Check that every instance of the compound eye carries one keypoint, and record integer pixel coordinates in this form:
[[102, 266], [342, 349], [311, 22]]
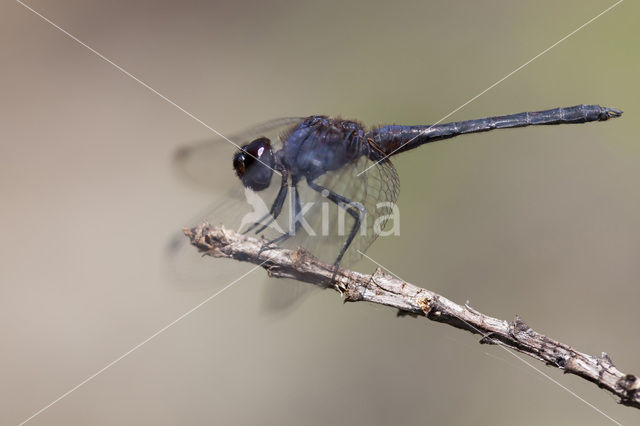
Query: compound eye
[[253, 164]]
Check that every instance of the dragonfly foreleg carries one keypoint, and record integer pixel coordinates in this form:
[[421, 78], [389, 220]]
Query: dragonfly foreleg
[[296, 213], [276, 207]]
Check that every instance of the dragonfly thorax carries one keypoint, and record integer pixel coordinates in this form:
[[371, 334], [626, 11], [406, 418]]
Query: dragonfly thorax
[[321, 144]]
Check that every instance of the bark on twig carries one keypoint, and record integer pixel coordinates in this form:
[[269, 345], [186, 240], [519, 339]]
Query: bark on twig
[[386, 290]]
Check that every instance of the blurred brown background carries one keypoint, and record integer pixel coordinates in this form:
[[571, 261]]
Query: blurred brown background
[[542, 222]]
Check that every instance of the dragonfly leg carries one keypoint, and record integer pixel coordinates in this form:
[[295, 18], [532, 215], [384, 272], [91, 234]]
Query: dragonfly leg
[[355, 210], [276, 207], [296, 212]]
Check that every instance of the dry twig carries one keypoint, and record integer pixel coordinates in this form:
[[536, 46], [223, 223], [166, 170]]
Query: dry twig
[[386, 290]]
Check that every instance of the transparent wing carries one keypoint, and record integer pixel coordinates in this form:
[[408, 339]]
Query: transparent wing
[[383, 188], [324, 233], [236, 209], [281, 295], [376, 188], [207, 165], [325, 225]]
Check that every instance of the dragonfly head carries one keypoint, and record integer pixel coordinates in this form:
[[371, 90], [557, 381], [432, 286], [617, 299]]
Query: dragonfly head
[[254, 163]]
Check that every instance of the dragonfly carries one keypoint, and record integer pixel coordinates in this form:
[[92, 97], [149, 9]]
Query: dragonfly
[[328, 184]]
